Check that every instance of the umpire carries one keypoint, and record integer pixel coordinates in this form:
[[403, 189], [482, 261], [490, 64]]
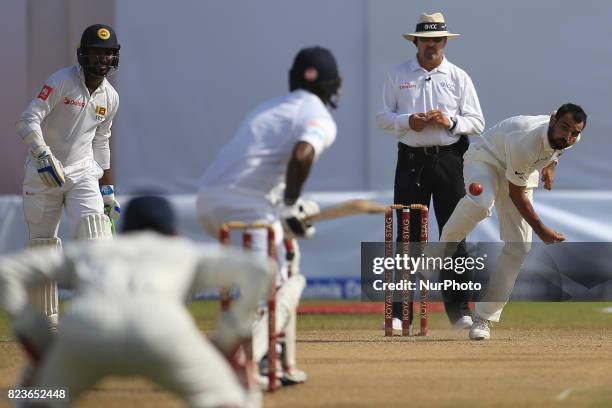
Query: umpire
[[430, 105]]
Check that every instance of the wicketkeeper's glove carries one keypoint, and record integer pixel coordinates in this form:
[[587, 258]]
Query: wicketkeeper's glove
[[49, 168]]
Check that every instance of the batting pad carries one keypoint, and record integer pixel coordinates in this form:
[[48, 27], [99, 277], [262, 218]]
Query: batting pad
[[44, 299], [95, 227]]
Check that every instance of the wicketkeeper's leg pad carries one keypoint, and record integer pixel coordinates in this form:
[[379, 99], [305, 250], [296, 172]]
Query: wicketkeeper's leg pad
[[44, 298]]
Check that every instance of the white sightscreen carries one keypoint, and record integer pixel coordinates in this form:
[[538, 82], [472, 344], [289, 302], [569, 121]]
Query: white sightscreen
[[190, 70]]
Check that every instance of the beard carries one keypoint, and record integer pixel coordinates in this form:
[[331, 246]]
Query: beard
[[557, 144]]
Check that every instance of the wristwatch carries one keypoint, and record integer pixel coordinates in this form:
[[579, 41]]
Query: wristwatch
[[453, 124]]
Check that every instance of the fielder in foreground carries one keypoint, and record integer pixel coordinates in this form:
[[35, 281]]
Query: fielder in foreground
[[128, 316], [507, 161], [259, 175], [67, 129]]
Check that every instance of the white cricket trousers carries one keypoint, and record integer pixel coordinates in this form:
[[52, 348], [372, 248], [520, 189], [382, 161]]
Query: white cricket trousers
[[514, 230]]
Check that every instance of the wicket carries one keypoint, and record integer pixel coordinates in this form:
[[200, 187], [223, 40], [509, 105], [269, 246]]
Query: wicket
[[247, 242], [423, 234]]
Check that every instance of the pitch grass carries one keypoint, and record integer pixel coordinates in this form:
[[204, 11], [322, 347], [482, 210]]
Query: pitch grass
[[517, 315]]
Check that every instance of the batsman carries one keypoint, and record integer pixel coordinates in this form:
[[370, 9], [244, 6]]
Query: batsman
[[67, 129], [508, 161], [259, 175]]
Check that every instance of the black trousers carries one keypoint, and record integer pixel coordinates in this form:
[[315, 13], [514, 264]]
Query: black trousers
[[418, 177]]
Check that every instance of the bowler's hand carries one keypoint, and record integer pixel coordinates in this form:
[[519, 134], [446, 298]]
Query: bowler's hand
[[439, 118], [418, 121], [548, 175]]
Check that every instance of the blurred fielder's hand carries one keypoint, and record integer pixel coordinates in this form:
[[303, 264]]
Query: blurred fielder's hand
[[49, 168], [294, 218], [418, 121], [548, 175], [437, 117], [111, 205], [32, 332]]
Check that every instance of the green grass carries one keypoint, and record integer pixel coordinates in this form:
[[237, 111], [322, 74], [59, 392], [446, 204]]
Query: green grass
[[556, 315], [517, 315]]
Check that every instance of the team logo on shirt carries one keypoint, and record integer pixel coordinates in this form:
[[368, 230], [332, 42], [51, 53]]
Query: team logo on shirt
[[100, 112], [74, 102], [45, 92], [408, 85]]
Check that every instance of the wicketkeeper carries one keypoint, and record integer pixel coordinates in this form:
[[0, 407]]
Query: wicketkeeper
[[67, 129], [128, 316]]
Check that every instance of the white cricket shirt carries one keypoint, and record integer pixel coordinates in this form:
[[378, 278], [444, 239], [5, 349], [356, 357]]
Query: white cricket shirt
[[132, 267], [519, 146], [409, 89], [75, 125], [257, 156]]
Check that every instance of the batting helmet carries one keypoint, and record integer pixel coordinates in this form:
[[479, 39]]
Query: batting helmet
[[152, 213], [314, 69], [98, 36]]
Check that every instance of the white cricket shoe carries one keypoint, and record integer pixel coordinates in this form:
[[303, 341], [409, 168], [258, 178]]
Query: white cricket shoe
[[292, 376], [397, 324], [262, 382], [481, 329], [464, 322]]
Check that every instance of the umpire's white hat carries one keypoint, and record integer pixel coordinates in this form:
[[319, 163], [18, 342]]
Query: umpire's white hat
[[430, 25]]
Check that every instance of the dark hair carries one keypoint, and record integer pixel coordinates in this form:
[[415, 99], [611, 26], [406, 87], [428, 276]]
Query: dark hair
[[578, 114]]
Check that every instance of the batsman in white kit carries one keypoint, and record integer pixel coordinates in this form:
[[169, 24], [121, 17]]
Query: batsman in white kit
[[508, 160], [128, 316], [258, 178], [67, 129]]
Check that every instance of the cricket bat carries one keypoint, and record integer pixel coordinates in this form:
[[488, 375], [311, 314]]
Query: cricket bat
[[348, 208]]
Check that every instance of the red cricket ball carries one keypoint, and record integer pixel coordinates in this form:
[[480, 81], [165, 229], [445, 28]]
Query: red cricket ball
[[475, 189]]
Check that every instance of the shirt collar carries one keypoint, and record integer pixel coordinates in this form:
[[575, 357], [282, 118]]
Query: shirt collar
[[443, 68]]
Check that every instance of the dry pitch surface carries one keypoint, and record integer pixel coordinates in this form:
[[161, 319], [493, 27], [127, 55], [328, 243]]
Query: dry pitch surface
[[542, 355]]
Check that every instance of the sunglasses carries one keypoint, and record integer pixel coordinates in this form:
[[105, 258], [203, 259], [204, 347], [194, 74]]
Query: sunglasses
[[434, 39]]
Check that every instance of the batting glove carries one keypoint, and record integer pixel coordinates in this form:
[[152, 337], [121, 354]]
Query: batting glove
[[295, 218], [111, 205]]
